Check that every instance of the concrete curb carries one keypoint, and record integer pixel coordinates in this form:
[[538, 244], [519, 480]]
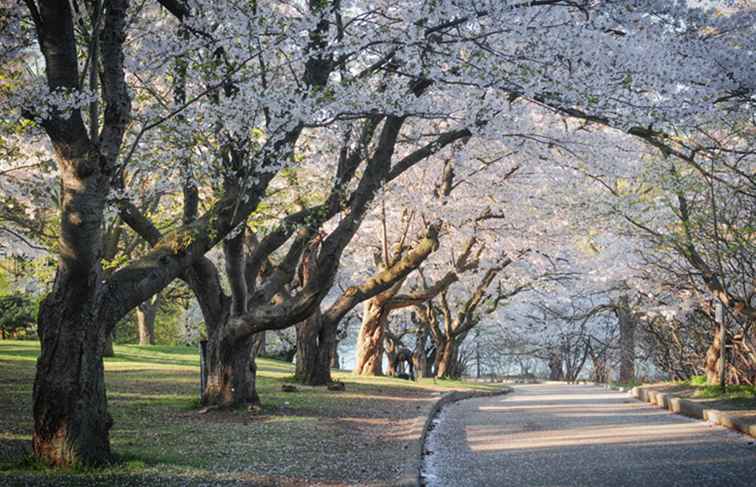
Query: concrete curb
[[693, 409], [445, 400]]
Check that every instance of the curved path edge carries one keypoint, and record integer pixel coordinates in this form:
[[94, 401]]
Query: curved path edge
[[445, 400]]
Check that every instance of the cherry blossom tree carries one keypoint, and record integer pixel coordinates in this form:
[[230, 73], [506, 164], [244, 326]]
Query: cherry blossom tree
[[245, 89]]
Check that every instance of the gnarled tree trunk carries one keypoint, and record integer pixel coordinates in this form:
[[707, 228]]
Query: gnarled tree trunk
[[230, 364], [71, 420], [370, 339], [230, 360], [231, 373], [712, 360], [392, 355], [315, 343], [446, 359], [419, 358]]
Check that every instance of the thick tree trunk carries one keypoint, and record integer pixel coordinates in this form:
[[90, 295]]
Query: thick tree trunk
[[370, 339], [107, 349], [556, 369], [145, 315], [315, 343], [600, 373], [627, 342], [419, 359], [392, 354], [230, 373], [712, 361], [446, 358], [71, 420]]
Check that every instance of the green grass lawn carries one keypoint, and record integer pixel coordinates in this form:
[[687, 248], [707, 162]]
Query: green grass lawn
[[731, 392], [160, 436], [736, 398]]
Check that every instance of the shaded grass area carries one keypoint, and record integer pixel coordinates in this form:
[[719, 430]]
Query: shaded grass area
[[366, 434]]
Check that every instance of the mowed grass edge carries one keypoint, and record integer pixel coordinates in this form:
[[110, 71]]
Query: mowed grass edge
[[153, 395]]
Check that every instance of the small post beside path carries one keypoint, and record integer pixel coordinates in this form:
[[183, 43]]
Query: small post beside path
[[203, 366], [719, 315]]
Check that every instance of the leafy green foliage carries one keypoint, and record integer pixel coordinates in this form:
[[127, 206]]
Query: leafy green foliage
[[18, 313]]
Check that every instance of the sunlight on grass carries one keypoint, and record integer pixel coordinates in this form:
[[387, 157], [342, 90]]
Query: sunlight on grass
[[732, 392], [153, 395]]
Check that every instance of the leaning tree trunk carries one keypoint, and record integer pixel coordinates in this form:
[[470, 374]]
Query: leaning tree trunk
[[145, 315], [370, 339], [627, 343]]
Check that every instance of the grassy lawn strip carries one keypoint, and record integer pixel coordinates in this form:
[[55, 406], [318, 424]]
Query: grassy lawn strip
[[739, 400], [366, 434]]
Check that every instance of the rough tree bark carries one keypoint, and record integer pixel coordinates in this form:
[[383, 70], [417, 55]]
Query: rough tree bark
[[419, 356], [107, 348], [446, 358], [318, 332], [315, 344], [627, 325], [71, 420], [370, 339], [556, 368], [711, 365], [391, 349], [335, 359], [448, 339], [145, 317], [600, 372]]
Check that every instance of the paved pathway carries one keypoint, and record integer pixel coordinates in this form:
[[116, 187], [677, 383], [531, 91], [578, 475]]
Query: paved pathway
[[550, 435]]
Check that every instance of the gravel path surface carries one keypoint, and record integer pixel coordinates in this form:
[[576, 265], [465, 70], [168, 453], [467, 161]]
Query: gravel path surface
[[550, 435]]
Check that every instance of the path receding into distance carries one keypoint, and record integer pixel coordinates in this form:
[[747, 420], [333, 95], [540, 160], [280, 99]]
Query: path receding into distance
[[550, 435]]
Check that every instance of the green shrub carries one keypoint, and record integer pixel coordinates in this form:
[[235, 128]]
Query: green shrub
[[18, 314]]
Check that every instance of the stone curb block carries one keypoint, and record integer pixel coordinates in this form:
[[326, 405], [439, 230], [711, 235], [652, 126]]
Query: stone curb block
[[693, 410], [445, 400]]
